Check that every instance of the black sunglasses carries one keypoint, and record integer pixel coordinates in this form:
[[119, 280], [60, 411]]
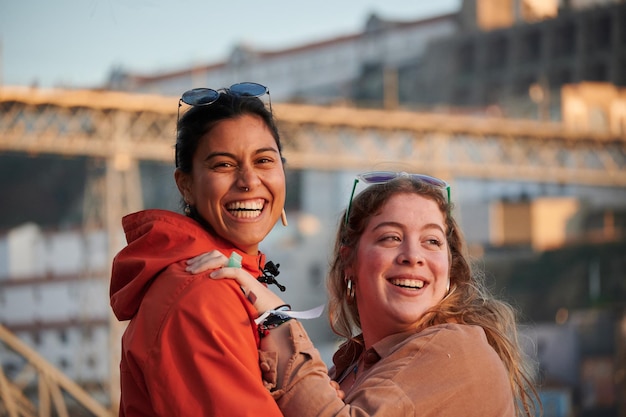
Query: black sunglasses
[[207, 96], [381, 177]]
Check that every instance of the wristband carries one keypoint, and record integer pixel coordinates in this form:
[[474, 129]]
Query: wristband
[[271, 319]]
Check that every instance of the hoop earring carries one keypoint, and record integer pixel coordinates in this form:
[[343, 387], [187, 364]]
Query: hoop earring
[[449, 293], [187, 210], [283, 218], [350, 291]]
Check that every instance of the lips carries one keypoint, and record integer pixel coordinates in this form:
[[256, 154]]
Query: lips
[[407, 283], [247, 209]]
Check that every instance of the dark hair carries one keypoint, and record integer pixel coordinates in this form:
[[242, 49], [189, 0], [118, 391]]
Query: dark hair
[[199, 120]]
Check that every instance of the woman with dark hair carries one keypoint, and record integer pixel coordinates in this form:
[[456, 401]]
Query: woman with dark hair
[[423, 337], [190, 348]]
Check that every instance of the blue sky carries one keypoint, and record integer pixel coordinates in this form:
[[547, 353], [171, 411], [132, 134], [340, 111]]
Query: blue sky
[[76, 43]]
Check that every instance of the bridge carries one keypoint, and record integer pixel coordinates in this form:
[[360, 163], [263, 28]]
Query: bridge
[[123, 129]]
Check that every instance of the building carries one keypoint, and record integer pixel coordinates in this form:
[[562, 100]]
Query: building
[[320, 72], [522, 66], [53, 296], [509, 57]]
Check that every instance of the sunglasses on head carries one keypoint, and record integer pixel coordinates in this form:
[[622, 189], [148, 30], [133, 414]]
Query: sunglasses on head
[[207, 96], [381, 177]]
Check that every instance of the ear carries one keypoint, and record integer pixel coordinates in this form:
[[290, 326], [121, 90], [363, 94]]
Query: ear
[[345, 252], [184, 182]]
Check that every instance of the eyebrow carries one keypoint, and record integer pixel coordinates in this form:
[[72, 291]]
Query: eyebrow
[[230, 155], [402, 226]]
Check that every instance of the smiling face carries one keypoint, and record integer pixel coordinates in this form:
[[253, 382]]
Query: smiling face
[[401, 266], [237, 181]]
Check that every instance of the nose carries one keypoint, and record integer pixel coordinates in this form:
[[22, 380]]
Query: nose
[[247, 178], [410, 255]]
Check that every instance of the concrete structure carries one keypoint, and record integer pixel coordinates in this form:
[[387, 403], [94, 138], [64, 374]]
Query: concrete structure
[[53, 295], [521, 67], [492, 56], [320, 72]]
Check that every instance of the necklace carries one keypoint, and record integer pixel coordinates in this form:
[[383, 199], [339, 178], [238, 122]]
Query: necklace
[[350, 370]]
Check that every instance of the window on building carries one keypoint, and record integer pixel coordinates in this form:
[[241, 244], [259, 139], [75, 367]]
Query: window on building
[[497, 50], [523, 83], [564, 41], [293, 200], [91, 362], [602, 33], [36, 335], [64, 364], [316, 276], [36, 293], [462, 96], [531, 46], [560, 76], [596, 71], [466, 58], [493, 92], [87, 333]]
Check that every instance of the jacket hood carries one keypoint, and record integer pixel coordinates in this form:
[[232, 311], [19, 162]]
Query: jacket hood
[[157, 239]]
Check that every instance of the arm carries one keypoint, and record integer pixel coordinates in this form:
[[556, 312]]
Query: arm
[[278, 346], [297, 376], [444, 371], [258, 294]]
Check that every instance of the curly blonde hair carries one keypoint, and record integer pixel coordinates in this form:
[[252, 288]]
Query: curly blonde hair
[[468, 301]]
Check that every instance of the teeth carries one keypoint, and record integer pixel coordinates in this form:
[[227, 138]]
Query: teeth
[[245, 205], [246, 209], [408, 283]]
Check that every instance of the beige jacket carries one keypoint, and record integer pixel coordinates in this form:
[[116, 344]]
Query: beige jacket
[[446, 370]]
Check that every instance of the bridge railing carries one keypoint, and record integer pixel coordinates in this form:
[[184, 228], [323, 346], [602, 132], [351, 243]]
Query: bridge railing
[[54, 390]]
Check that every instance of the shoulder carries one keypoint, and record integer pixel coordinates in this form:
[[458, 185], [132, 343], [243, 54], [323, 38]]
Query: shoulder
[[179, 299], [446, 367], [453, 335], [181, 292], [444, 353], [440, 337], [457, 342]]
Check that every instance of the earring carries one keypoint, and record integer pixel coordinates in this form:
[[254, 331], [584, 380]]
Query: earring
[[187, 210], [283, 218], [350, 291], [448, 286]]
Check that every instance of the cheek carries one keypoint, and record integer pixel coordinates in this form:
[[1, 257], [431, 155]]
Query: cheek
[[207, 189], [441, 267], [277, 185], [371, 264]]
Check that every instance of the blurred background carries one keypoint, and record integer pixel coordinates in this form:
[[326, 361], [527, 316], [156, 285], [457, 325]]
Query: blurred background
[[519, 104]]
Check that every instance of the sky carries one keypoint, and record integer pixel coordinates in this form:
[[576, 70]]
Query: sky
[[76, 43]]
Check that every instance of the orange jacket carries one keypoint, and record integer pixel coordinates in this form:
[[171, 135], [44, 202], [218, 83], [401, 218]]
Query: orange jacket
[[190, 348]]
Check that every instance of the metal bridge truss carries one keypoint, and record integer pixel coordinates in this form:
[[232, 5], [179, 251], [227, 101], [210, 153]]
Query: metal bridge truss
[[125, 128], [53, 387]]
